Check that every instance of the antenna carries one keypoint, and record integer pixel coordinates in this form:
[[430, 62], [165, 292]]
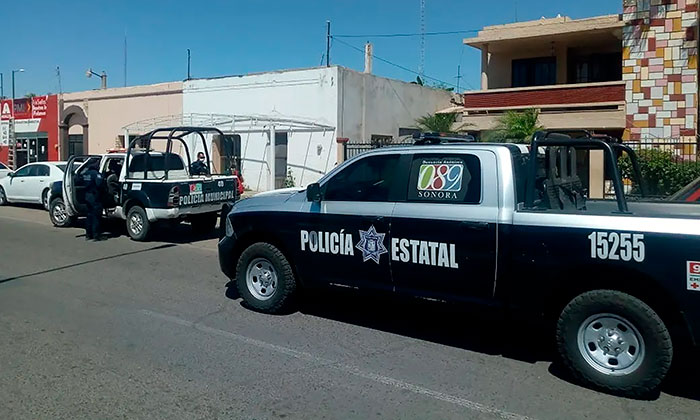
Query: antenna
[[124, 57], [516, 9], [58, 75], [188, 64], [421, 64], [459, 76]]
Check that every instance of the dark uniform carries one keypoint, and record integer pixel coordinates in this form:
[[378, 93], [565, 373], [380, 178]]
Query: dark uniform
[[94, 187], [199, 168]]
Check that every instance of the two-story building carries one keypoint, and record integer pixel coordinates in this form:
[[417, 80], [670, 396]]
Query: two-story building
[[632, 75]]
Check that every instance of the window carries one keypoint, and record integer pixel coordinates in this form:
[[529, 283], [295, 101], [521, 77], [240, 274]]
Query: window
[[61, 167], [23, 171], [439, 178], [534, 72], [595, 68], [369, 179], [2, 166], [40, 170]]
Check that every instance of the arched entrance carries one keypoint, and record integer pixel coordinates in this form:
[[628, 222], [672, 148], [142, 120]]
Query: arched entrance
[[70, 117]]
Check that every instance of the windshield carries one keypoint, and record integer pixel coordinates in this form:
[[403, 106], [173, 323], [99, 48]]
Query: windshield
[[2, 166], [62, 167]]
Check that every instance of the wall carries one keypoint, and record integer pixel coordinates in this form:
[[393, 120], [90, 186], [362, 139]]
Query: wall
[[660, 53], [308, 95], [109, 110], [375, 105]]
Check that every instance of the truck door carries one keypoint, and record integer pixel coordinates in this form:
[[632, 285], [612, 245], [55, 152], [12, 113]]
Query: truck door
[[444, 235], [344, 239], [73, 189]]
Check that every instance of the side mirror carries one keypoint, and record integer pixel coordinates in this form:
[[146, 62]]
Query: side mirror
[[313, 192], [10, 174]]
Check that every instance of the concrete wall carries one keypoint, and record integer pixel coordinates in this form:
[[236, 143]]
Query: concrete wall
[[109, 110], [375, 105], [308, 95]]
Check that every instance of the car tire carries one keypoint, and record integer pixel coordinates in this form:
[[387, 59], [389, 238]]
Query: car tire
[[137, 225], [45, 199], [203, 223], [614, 342], [3, 197], [58, 213], [265, 279]]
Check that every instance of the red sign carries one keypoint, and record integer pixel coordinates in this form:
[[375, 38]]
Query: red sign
[[25, 108]]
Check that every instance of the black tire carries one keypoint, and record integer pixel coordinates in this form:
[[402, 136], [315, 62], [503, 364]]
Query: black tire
[[203, 223], [59, 214], [578, 347], [3, 197], [137, 225], [45, 199], [282, 298]]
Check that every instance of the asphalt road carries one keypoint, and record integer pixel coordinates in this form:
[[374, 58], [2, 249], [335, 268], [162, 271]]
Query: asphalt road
[[119, 329]]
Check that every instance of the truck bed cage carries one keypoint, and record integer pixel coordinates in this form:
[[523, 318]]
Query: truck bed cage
[[421, 139], [170, 134], [583, 140]]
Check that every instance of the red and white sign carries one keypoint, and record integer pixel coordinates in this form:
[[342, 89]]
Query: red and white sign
[[693, 276], [25, 108]]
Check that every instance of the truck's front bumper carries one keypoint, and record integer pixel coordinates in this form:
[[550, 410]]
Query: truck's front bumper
[[227, 260]]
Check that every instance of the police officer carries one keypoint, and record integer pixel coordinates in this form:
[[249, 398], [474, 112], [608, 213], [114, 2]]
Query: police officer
[[94, 186], [199, 167]]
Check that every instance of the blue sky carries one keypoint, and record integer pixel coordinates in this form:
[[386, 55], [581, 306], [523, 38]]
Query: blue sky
[[237, 37]]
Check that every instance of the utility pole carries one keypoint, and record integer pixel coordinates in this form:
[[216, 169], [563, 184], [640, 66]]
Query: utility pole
[[2, 87], [421, 64], [459, 75], [188, 64], [13, 140], [328, 43], [125, 58]]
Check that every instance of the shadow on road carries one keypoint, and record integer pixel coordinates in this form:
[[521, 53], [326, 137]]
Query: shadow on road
[[180, 233], [51, 270], [480, 329]]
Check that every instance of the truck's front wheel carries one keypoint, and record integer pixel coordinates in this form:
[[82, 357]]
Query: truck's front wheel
[[265, 279], [613, 341], [137, 224]]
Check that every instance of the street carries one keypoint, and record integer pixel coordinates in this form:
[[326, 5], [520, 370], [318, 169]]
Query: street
[[122, 329]]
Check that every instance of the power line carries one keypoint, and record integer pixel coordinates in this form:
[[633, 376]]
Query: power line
[[399, 35], [394, 64]]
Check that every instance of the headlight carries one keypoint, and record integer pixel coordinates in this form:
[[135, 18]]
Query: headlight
[[229, 227]]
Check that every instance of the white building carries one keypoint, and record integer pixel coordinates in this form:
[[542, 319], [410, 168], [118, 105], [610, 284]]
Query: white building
[[306, 111]]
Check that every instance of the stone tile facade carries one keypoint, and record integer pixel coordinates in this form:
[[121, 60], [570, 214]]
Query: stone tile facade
[[660, 69]]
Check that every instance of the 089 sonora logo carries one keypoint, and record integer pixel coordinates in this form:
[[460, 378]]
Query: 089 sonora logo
[[440, 177]]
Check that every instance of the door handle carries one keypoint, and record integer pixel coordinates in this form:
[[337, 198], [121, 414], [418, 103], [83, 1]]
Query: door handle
[[475, 225]]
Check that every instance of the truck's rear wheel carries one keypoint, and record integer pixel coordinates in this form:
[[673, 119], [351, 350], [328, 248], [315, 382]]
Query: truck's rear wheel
[[613, 341], [203, 223], [265, 279], [137, 225], [3, 197], [59, 214]]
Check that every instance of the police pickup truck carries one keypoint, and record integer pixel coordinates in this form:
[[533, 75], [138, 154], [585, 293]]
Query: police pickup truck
[[496, 224], [144, 186]]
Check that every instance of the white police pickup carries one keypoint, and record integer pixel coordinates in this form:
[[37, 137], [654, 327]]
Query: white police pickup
[[478, 222]]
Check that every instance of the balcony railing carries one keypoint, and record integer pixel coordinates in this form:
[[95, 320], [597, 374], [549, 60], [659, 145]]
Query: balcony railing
[[553, 96]]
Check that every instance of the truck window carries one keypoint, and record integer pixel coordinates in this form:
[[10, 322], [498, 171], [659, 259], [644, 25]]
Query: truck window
[[445, 178], [369, 179]]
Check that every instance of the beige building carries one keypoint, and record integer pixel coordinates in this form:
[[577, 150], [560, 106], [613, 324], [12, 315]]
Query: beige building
[[570, 69], [93, 121]]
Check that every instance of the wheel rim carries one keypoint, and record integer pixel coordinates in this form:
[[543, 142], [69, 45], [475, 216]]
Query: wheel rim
[[261, 279], [611, 344], [59, 212], [136, 223]]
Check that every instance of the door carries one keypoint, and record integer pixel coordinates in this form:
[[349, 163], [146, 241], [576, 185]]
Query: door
[[16, 186], [281, 160], [344, 239], [444, 234], [73, 189], [37, 182]]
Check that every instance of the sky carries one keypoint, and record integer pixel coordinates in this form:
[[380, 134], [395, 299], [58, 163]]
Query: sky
[[239, 37]]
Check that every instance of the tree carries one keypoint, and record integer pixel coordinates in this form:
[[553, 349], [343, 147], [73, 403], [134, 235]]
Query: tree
[[437, 123], [30, 95], [517, 126]]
